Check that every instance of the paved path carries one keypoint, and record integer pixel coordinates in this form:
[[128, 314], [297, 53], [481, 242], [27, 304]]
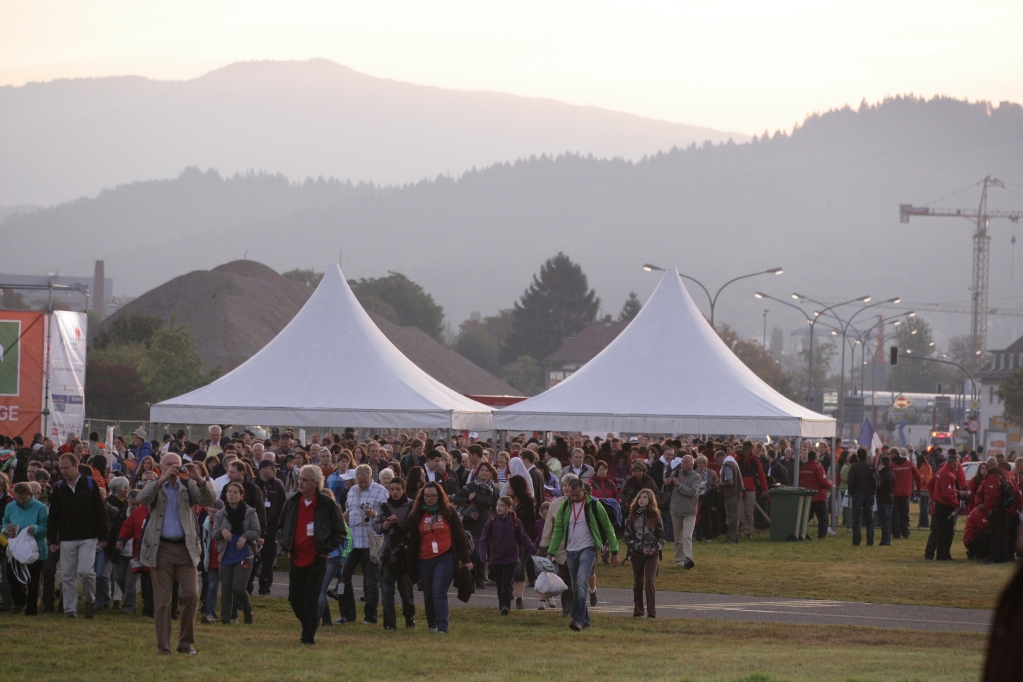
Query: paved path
[[745, 609]]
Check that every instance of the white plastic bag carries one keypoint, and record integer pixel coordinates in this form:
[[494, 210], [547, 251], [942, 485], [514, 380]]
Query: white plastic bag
[[549, 583], [23, 548]]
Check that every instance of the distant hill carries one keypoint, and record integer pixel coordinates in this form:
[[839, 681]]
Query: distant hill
[[237, 308], [822, 202], [70, 138]]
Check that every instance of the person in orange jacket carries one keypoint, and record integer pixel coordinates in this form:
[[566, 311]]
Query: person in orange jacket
[[906, 476], [999, 502], [945, 493], [976, 537], [813, 476]]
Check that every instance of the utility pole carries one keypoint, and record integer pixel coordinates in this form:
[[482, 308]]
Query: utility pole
[[765, 326]]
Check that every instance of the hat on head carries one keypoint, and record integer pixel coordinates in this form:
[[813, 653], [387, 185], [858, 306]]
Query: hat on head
[[473, 434], [348, 475], [638, 465], [266, 464], [139, 433]]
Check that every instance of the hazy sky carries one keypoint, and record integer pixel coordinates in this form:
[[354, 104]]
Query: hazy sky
[[743, 66]]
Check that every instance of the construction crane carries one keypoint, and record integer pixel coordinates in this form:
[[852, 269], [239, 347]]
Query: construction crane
[[981, 216]]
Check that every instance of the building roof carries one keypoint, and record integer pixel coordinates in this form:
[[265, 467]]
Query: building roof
[[445, 365], [588, 343]]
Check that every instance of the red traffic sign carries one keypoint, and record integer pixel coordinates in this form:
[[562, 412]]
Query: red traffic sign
[[902, 402], [973, 425]]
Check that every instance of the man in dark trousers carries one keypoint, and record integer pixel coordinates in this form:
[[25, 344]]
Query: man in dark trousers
[[272, 491], [999, 498], [946, 501], [78, 527], [812, 476], [311, 528], [885, 498], [862, 488], [906, 476], [393, 564]]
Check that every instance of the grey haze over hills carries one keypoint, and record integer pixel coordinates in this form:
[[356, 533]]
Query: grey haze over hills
[[821, 202], [66, 139]]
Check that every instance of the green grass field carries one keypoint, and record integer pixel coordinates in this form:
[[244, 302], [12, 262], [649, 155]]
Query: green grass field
[[484, 646], [830, 569]]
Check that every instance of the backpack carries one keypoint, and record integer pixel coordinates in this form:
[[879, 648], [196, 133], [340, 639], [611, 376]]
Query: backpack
[[1008, 500]]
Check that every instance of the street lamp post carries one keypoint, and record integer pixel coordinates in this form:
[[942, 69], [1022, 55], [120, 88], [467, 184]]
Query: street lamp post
[[844, 324], [808, 400], [714, 299]]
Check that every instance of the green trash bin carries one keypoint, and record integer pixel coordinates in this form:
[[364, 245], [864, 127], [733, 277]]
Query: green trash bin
[[790, 513]]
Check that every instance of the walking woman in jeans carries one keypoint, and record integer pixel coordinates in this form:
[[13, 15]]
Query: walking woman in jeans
[[644, 535], [236, 530], [436, 550]]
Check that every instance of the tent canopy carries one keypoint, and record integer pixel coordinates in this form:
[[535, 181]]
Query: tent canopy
[[331, 366], [668, 372]]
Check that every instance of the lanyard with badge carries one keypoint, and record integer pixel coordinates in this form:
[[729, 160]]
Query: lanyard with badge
[[576, 513], [429, 525], [309, 532]]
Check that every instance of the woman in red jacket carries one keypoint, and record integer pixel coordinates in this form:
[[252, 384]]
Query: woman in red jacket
[[603, 486]]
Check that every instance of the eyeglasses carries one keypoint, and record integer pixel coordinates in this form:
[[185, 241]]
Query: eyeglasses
[[306, 480]]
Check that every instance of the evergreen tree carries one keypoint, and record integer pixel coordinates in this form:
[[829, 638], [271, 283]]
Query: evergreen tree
[[631, 308], [475, 343], [557, 304]]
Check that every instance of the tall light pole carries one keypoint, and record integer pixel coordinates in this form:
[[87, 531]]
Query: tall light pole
[[864, 336], [808, 399], [714, 299], [844, 324]]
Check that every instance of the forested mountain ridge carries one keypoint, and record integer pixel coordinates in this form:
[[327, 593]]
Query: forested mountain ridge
[[820, 201]]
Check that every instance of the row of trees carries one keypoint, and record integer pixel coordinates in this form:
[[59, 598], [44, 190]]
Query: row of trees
[[139, 360]]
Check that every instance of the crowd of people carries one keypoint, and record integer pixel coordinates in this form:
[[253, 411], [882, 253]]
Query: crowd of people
[[174, 523]]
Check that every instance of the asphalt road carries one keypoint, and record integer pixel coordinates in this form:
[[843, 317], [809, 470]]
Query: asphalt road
[[740, 608]]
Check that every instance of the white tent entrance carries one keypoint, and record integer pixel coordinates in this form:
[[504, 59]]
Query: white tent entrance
[[331, 366], [668, 372]]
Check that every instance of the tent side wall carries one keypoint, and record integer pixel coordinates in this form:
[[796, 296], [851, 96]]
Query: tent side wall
[[375, 418], [784, 426]]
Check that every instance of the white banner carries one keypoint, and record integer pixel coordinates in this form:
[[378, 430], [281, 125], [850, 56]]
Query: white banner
[[67, 373]]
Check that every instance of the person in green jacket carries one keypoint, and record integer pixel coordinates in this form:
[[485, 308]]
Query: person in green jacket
[[26, 512], [582, 525]]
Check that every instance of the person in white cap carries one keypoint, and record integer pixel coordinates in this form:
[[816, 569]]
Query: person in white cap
[[473, 437]]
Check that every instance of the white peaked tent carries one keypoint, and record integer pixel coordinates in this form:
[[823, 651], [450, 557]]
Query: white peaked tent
[[668, 372], [331, 366]]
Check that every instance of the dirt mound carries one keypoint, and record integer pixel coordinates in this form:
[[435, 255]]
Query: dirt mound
[[233, 310]]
